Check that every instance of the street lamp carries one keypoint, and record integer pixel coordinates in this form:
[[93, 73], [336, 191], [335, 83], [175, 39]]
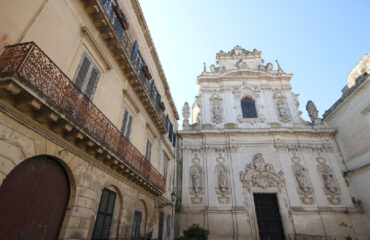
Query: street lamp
[[164, 204]]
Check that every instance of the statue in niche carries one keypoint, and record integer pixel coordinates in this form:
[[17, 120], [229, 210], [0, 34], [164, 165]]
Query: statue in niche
[[329, 181], [222, 188], [313, 113], [283, 110], [185, 115], [222, 181], [302, 179], [216, 110], [196, 181]]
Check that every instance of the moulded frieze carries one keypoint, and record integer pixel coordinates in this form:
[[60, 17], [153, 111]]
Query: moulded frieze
[[291, 147]]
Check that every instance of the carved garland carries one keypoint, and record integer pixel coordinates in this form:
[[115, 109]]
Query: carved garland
[[330, 183], [304, 187]]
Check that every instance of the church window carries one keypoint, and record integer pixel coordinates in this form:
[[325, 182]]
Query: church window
[[248, 108]]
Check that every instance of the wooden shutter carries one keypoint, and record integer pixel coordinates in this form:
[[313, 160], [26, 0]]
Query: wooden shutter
[[170, 131], [134, 51], [168, 227], [135, 231], [92, 82], [165, 165], [82, 72], [128, 131], [104, 215], [160, 227], [124, 122], [174, 140], [148, 150]]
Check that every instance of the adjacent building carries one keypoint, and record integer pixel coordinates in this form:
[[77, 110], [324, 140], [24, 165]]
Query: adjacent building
[[251, 168], [350, 116], [87, 123]]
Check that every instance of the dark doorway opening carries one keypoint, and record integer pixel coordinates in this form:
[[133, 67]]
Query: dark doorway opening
[[269, 222]]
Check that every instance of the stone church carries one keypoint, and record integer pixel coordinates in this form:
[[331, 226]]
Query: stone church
[[251, 168]]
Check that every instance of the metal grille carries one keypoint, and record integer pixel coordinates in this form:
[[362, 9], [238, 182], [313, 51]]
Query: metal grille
[[268, 216], [39, 72]]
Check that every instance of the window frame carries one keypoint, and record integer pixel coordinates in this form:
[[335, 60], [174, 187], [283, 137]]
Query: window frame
[[148, 149], [87, 78], [105, 214], [126, 126], [244, 108]]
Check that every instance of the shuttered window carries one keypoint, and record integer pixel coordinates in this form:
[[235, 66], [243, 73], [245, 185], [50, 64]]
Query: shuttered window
[[135, 231], [160, 226], [148, 151], [165, 166], [170, 131], [105, 215], [168, 227], [87, 76], [126, 123], [174, 139]]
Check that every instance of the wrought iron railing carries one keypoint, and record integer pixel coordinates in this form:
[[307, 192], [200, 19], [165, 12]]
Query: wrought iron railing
[[137, 62], [41, 74]]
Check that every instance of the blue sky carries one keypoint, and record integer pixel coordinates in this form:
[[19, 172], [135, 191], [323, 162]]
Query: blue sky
[[318, 41]]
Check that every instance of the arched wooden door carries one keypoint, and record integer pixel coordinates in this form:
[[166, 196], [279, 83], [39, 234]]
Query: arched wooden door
[[33, 199]]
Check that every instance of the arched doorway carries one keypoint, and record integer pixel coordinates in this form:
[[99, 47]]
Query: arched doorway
[[33, 200]]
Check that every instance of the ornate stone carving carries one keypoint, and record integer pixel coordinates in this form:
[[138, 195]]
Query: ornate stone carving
[[186, 116], [223, 189], [304, 188], [216, 109], [331, 187], [279, 69], [282, 107], [313, 113], [196, 184], [261, 175]]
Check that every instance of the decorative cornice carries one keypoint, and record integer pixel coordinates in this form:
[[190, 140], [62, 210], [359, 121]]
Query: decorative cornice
[[144, 28]]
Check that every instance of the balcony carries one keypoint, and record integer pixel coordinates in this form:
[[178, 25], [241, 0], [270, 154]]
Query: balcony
[[105, 17], [31, 82]]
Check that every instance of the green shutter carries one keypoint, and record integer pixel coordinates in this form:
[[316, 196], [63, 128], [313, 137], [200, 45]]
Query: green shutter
[[82, 72], [92, 83], [124, 122], [104, 215], [128, 131]]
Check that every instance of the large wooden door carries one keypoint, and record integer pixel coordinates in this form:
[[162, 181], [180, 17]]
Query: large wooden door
[[268, 216], [33, 199]]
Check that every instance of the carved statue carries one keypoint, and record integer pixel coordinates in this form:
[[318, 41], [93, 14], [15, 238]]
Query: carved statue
[[283, 111], [185, 115], [329, 181], [302, 179], [216, 110], [222, 181], [212, 68], [313, 112], [279, 69], [196, 181]]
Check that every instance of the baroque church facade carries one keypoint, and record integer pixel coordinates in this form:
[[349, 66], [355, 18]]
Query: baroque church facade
[[250, 167]]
